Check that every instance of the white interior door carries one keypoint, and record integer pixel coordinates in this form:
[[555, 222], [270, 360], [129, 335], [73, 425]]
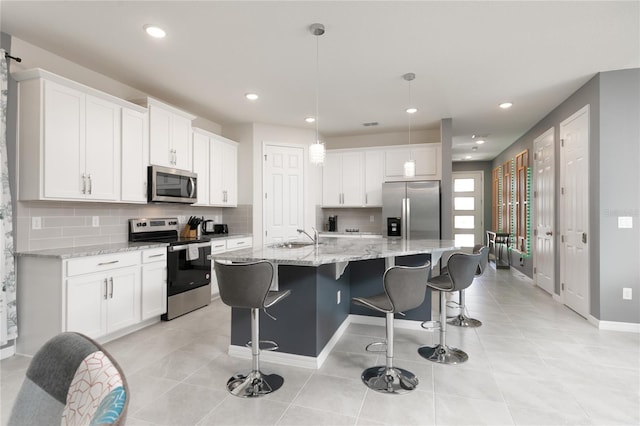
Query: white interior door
[[574, 211], [468, 226], [543, 210], [283, 192]]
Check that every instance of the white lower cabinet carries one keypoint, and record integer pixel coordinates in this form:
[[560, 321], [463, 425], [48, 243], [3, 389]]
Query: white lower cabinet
[[154, 282], [101, 303], [221, 246], [103, 296]]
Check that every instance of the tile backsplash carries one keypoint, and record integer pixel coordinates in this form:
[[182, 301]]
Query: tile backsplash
[[70, 224], [356, 218]]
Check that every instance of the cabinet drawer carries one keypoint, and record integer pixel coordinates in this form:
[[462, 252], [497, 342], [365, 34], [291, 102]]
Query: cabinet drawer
[[154, 255], [105, 262], [239, 243], [218, 246]]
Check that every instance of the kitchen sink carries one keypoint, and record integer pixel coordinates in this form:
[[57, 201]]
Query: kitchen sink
[[294, 244]]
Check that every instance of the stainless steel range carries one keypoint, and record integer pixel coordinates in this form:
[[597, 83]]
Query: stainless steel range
[[188, 264]]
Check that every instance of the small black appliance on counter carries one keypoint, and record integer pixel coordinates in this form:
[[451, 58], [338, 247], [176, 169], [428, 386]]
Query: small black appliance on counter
[[210, 227]]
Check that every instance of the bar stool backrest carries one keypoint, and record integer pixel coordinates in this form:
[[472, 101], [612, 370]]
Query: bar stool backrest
[[244, 285], [462, 269], [484, 258], [406, 286]]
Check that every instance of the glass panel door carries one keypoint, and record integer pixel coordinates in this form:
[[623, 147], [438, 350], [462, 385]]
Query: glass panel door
[[468, 228]]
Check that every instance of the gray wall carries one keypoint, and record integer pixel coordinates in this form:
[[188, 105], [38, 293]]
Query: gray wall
[[446, 189], [619, 249], [614, 182]]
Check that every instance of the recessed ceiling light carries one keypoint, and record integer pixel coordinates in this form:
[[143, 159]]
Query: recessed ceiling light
[[480, 141], [154, 31], [412, 110], [310, 119], [468, 157], [251, 96], [506, 105]]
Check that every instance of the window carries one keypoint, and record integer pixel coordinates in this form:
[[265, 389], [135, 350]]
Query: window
[[496, 207], [505, 225], [521, 201]]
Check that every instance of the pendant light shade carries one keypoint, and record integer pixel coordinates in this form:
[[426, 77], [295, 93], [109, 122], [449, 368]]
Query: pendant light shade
[[410, 164], [316, 150]]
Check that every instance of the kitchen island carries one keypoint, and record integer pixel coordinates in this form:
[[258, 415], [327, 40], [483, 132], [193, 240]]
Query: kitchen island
[[322, 280]]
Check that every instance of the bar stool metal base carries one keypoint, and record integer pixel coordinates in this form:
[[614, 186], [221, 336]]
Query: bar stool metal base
[[389, 380], [254, 384], [464, 321], [443, 354]]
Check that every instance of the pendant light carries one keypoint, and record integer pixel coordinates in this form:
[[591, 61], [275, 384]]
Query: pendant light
[[410, 164], [316, 150]]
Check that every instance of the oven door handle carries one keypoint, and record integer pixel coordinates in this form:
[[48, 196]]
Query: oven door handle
[[186, 246]]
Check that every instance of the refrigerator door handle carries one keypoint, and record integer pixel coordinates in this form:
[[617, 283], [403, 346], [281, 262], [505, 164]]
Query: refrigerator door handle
[[407, 218], [403, 217]]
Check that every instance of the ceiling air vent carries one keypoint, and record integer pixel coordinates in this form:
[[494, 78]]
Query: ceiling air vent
[[371, 123]]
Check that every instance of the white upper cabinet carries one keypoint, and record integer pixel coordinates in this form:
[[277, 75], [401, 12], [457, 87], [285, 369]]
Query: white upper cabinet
[[223, 171], [70, 140], [201, 166], [135, 156], [343, 179], [373, 178], [169, 136], [427, 157], [215, 160]]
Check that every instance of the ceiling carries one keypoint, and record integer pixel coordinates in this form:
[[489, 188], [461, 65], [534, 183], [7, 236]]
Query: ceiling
[[467, 56]]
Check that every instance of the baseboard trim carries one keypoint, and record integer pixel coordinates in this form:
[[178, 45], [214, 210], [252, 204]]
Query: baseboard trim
[[8, 352], [294, 360], [380, 321], [629, 327]]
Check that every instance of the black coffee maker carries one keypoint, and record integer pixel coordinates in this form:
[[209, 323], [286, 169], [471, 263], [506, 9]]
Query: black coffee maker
[[333, 223]]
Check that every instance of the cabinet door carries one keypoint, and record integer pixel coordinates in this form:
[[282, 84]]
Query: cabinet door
[[230, 174], [394, 162], [332, 180], [135, 156], [64, 142], [373, 178], [102, 152], [201, 167], [123, 298], [154, 289], [426, 161], [159, 137], [86, 304], [352, 179], [181, 142], [216, 186]]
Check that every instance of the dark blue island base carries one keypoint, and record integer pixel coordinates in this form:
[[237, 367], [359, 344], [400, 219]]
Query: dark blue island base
[[310, 321]]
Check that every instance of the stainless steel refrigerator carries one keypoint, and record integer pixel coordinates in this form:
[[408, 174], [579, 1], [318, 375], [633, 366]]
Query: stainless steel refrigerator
[[411, 209]]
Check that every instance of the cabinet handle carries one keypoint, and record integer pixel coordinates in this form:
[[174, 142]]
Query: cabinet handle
[[108, 263], [175, 157], [90, 183], [366, 198], [111, 282], [220, 246], [84, 183], [105, 289], [156, 255], [240, 243]]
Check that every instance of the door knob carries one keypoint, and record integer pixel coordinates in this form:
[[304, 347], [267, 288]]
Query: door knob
[[549, 233]]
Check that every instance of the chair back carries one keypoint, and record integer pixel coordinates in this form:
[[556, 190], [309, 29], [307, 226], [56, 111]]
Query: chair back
[[462, 269], [484, 258], [406, 286], [72, 380], [244, 285]]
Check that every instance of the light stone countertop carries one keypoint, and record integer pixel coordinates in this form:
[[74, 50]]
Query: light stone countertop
[[109, 248], [336, 250]]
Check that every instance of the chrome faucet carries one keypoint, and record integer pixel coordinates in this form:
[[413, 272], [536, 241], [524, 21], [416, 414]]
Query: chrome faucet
[[315, 238]]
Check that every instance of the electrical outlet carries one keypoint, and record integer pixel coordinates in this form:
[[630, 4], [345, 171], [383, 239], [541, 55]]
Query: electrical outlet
[[36, 223], [372, 219], [627, 293], [338, 297], [182, 219], [95, 221]]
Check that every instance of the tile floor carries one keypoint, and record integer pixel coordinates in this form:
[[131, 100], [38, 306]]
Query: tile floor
[[533, 362]]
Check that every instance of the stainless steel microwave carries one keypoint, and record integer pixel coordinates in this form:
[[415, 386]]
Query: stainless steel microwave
[[169, 185]]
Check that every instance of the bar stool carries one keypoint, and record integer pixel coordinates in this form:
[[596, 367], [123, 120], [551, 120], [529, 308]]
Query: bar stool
[[461, 320], [246, 285], [462, 268], [404, 289]]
